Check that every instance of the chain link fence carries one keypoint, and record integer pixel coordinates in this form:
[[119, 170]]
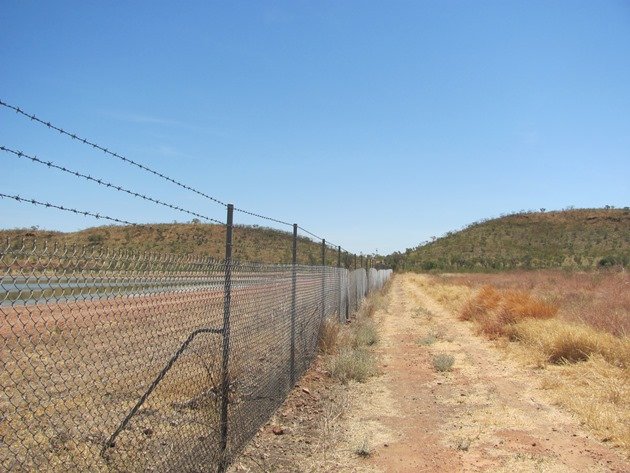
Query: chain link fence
[[117, 361]]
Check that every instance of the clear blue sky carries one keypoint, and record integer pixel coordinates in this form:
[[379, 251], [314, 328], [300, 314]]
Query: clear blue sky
[[374, 124]]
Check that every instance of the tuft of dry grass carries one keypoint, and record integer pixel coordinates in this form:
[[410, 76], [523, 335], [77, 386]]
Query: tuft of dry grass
[[365, 333], [427, 340], [352, 360], [353, 364], [329, 335], [443, 362], [563, 342], [364, 450], [374, 303]]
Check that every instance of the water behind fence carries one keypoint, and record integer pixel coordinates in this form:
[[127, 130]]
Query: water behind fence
[[138, 362]]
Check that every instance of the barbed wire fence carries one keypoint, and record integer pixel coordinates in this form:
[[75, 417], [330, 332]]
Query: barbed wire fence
[[128, 361]]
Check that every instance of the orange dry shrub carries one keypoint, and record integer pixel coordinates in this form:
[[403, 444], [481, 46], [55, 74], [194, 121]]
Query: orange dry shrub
[[498, 312], [519, 305], [486, 300], [600, 299]]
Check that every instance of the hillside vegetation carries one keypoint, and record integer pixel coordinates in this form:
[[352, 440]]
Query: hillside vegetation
[[258, 244], [578, 239]]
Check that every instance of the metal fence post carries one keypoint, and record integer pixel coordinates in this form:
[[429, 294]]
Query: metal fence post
[[347, 287], [356, 291], [323, 279], [225, 376], [293, 303], [339, 281], [367, 273]]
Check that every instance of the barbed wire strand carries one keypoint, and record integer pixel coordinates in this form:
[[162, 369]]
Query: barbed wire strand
[[309, 233], [263, 217], [74, 136], [134, 163], [329, 244], [66, 209], [104, 183], [108, 152]]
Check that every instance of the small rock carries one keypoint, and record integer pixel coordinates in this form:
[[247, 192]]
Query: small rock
[[148, 432], [277, 430], [306, 390]]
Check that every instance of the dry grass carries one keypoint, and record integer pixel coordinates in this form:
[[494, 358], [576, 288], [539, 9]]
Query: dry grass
[[597, 392], [365, 333], [449, 295], [574, 326], [329, 337], [355, 364], [599, 299], [428, 340], [497, 312], [562, 342], [364, 450], [443, 362], [486, 300], [374, 303], [352, 358]]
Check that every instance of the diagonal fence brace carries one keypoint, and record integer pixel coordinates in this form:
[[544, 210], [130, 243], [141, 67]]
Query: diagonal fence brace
[[111, 442]]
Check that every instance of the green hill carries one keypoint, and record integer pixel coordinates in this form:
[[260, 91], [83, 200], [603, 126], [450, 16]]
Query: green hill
[[581, 238], [250, 243]]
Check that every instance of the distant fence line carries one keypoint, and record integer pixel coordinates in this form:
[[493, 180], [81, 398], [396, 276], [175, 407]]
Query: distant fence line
[[138, 362]]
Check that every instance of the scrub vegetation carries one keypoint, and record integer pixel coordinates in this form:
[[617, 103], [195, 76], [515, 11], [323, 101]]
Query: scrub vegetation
[[570, 239], [251, 243]]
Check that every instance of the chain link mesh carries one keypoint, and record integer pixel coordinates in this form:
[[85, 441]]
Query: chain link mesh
[[114, 361]]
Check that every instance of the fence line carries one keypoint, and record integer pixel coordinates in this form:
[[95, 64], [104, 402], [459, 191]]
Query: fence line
[[33, 118], [122, 361], [117, 361]]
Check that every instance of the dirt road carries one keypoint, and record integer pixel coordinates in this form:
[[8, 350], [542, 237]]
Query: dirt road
[[486, 414]]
